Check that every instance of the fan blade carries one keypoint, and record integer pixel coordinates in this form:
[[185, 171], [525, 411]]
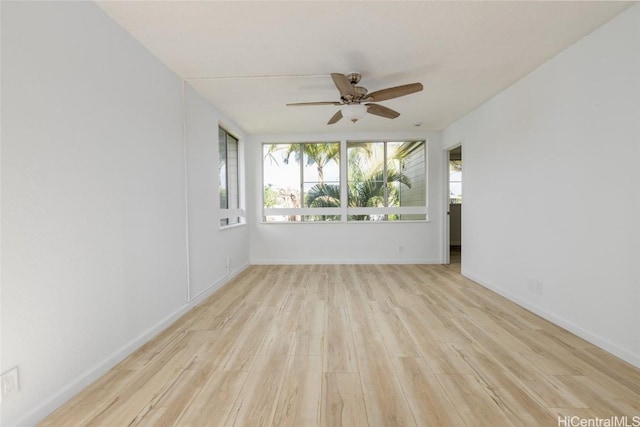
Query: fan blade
[[336, 117], [344, 85], [382, 111], [394, 92], [294, 104]]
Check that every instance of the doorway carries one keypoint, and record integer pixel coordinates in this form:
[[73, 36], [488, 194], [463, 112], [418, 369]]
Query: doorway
[[454, 208]]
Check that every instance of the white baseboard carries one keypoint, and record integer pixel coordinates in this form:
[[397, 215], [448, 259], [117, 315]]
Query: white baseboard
[[58, 399], [269, 261], [217, 284], [560, 321]]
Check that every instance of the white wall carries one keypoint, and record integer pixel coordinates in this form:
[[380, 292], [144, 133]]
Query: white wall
[[209, 246], [344, 243], [551, 191], [94, 197]]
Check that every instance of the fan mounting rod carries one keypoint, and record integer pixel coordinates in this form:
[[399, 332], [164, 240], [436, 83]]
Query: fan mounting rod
[[353, 77]]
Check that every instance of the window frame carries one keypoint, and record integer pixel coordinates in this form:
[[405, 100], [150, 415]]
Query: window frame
[[455, 200], [344, 210], [301, 211], [390, 210], [237, 213]]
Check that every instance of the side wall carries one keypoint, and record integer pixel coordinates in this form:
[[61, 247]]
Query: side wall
[[346, 243], [551, 188], [94, 201], [209, 246]]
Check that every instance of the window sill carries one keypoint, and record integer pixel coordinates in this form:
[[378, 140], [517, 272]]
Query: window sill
[[409, 221], [229, 227]]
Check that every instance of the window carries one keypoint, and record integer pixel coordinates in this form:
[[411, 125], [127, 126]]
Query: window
[[380, 181], [387, 181], [301, 182], [230, 212], [455, 182]]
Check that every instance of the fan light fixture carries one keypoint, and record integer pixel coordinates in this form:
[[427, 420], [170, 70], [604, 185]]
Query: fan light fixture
[[354, 112]]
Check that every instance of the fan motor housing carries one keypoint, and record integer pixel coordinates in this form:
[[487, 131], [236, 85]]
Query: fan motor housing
[[361, 91]]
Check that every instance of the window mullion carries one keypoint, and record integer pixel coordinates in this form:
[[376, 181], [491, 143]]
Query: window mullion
[[301, 201], [226, 162], [385, 179], [344, 184]]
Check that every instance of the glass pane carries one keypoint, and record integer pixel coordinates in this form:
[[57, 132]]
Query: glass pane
[[281, 174], [233, 192], [301, 175], [321, 173], [366, 174], [455, 181], [407, 163], [232, 172], [398, 182], [281, 218], [320, 218], [228, 174], [222, 167], [393, 192], [322, 195], [375, 217], [407, 217]]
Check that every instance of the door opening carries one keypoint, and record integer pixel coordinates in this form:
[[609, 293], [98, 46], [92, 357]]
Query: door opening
[[455, 205]]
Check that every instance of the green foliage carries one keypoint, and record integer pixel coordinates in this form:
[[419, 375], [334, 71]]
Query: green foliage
[[270, 196], [367, 187], [319, 154], [369, 184], [324, 196]]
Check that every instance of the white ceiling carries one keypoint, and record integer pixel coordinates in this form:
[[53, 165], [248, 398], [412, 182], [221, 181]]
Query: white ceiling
[[251, 58]]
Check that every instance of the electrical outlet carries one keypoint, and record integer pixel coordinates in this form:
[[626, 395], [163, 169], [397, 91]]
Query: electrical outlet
[[400, 249], [10, 382], [535, 287], [531, 285], [227, 263]]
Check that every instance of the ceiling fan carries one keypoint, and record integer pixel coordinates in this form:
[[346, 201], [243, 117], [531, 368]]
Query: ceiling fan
[[356, 100]]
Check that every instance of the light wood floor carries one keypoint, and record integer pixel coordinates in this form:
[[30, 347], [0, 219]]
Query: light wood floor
[[377, 345]]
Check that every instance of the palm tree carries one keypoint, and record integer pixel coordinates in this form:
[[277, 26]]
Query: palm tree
[[370, 185], [319, 154], [324, 196], [367, 188]]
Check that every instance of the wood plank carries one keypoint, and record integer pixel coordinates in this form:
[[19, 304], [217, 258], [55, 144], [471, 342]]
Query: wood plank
[[433, 348], [428, 401], [300, 396], [256, 403], [125, 407], [598, 398], [396, 337], [87, 404], [249, 340], [310, 332], [342, 401], [317, 283], [166, 406], [224, 336], [212, 405], [473, 400], [543, 387], [339, 350]]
